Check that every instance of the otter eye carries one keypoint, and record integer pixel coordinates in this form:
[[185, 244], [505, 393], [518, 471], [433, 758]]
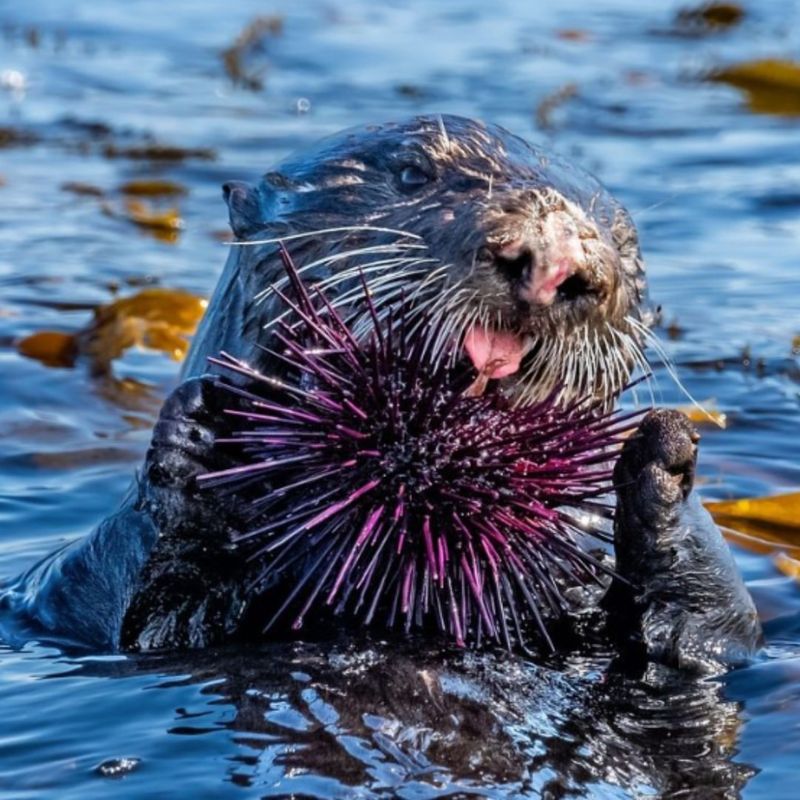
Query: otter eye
[[412, 176]]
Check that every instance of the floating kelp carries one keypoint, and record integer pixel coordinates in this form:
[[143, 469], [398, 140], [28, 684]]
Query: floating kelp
[[709, 17], [82, 189], [249, 43], [158, 152], [771, 86], [779, 510], [148, 217], [164, 224], [573, 35], [706, 413], [52, 348], [549, 104], [153, 187], [158, 319], [787, 565], [154, 318], [16, 137], [765, 525]]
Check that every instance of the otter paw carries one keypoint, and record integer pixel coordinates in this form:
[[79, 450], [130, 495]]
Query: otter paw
[[678, 597], [657, 464], [182, 446]]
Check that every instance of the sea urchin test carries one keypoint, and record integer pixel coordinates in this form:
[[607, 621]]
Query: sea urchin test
[[406, 497]]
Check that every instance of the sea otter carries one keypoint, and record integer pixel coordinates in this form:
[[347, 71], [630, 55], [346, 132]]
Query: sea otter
[[523, 259]]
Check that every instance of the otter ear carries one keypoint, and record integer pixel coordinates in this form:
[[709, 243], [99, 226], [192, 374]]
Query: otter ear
[[244, 207]]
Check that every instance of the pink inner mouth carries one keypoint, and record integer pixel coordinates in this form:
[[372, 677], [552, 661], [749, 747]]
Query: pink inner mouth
[[495, 354]]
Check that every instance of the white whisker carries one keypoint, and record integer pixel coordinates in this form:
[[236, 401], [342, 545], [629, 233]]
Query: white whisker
[[652, 340], [323, 231]]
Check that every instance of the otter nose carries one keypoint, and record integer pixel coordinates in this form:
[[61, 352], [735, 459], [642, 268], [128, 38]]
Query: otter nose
[[544, 275], [516, 260]]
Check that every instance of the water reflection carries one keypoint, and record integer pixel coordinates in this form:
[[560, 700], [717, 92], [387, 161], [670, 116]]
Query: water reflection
[[399, 719]]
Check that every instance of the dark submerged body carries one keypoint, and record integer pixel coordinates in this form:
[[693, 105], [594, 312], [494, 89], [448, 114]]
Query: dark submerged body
[[162, 571]]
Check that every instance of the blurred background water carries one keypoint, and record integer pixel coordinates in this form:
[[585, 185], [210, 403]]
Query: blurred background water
[[691, 119]]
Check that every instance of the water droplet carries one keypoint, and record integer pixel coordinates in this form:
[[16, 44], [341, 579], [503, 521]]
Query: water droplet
[[14, 81], [117, 767]]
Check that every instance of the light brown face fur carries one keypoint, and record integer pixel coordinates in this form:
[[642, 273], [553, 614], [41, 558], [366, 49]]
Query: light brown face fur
[[532, 265]]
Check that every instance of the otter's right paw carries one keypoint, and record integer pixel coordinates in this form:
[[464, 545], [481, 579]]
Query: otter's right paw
[[190, 592], [182, 446]]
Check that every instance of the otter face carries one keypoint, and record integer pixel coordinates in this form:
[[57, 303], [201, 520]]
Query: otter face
[[534, 267]]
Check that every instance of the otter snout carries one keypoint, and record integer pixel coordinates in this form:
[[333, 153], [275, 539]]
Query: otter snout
[[549, 263]]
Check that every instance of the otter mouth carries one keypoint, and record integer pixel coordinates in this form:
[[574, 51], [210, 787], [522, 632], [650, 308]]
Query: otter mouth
[[496, 353]]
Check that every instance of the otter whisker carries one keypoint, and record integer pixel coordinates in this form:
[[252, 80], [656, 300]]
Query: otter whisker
[[323, 231], [418, 298], [437, 306], [639, 214], [368, 274], [350, 274], [443, 130], [393, 286], [449, 327], [362, 321], [380, 294], [459, 325], [628, 349], [359, 269], [651, 339], [445, 302], [646, 368], [443, 323], [344, 256], [589, 360], [281, 283], [614, 363], [435, 275], [374, 284]]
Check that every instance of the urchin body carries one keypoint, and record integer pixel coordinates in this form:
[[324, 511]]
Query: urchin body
[[521, 260], [387, 483]]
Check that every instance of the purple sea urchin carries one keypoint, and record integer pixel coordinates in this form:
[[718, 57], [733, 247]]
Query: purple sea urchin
[[382, 487]]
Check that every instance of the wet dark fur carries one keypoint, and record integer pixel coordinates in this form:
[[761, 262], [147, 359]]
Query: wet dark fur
[[161, 572]]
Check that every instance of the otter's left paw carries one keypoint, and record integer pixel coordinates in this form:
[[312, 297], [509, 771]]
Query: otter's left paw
[[656, 469], [681, 598]]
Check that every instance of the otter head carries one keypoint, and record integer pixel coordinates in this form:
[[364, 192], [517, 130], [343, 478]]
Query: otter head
[[534, 267]]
